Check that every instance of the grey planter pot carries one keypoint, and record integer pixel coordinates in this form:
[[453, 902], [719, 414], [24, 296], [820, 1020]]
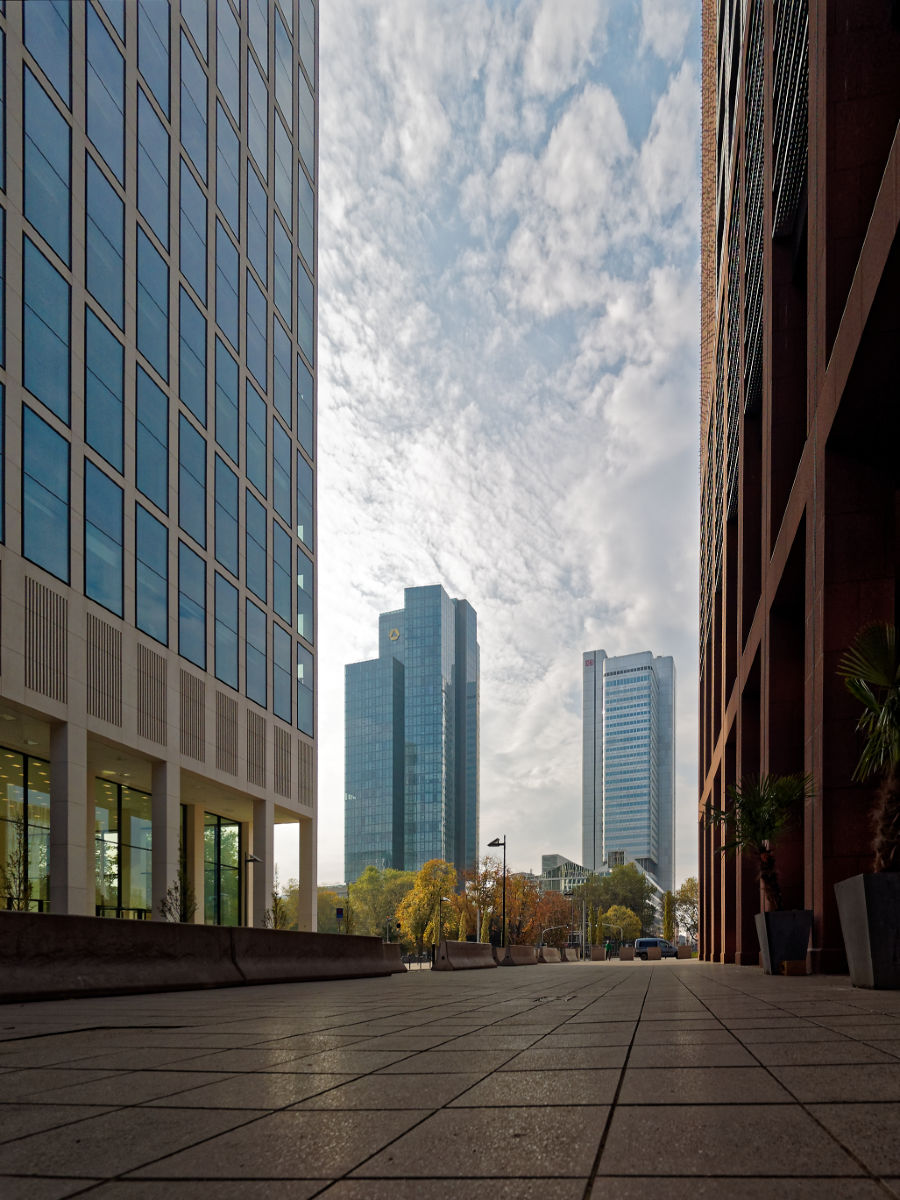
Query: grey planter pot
[[783, 936], [869, 908]]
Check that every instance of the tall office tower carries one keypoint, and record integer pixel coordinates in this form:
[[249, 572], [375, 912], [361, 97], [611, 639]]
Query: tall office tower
[[157, 211], [628, 764], [800, 359], [411, 736]]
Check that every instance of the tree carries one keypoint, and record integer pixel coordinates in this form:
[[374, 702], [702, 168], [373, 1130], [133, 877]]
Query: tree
[[625, 885], [554, 912], [14, 882], [327, 903], [687, 907], [375, 897], [418, 911], [763, 808], [871, 672], [620, 922], [669, 916], [180, 902]]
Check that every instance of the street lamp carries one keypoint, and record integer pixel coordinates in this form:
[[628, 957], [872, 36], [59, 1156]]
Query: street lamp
[[249, 860], [502, 842]]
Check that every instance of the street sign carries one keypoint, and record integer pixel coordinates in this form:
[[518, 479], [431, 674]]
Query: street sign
[[339, 913]]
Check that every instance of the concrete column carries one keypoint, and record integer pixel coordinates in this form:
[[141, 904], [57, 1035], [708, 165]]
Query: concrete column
[[194, 856], [262, 874], [166, 812], [71, 839], [308, 908]]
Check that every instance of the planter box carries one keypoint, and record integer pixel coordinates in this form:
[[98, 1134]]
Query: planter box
[[626, 954], [684, 952], [783, 936], [598, 954], [869, 908]]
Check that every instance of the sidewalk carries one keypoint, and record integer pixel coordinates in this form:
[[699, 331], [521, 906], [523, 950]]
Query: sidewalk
[[670, 1079]]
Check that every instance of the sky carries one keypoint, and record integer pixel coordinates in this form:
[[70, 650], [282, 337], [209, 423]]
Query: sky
[[508, 373]]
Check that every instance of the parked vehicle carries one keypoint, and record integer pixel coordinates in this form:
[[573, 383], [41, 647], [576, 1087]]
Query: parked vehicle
[[642, 945]]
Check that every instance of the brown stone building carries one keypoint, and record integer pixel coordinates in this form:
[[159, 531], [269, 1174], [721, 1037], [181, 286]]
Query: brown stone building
[[800, 403]]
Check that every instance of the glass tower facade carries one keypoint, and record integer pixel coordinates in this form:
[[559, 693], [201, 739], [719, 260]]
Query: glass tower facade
[[628, 778], [158, 202], [411, 764]]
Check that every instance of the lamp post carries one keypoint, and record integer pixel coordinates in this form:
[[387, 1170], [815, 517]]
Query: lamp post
[[502, 842], [249, 860]]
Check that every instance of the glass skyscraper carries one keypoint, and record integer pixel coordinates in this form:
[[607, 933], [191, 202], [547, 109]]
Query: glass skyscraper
[[628, 764], [411, 737], [158, 291]]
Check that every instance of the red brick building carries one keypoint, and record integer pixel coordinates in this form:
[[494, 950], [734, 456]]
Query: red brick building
[[800, 404]]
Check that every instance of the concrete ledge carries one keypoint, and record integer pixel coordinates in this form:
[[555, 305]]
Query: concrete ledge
[[626, 954], [549, 954], [683, 952], [464, 956], [45, 956], [598, 954], [393, 957], [517, 956], [654, 954], [570, 954]]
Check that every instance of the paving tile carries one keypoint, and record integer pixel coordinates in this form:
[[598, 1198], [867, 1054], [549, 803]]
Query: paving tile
[[834, 1053], [258, 1058], [350, 1062], [199, 1189], [526, 1142], [689, 1188], [508, 1089], [733, 1055], [18, 1120], [869, 1130], [478, 1062], [33, 1085], [134, 1058], [130, 1087], [119, 1140], [579, 1058], [26, 1188], [456, 1189], [802, 1033], [649, 1035], [385, 1091], [728, 1140], [289, 1145], [560, 1040], [701, 1085], [868, 1081], [257, 1091], [403, 1041]]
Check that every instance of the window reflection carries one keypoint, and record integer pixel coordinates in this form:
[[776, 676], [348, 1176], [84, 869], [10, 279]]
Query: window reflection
[[24, 832]]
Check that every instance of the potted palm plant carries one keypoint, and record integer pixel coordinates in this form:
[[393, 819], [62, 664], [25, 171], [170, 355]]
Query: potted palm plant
[[763, 808], [869, 905]]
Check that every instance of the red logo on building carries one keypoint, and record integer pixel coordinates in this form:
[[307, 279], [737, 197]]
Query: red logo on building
[[588, 662]]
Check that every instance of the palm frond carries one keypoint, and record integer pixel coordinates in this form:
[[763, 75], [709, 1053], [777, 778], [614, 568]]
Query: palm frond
[[870, 668]]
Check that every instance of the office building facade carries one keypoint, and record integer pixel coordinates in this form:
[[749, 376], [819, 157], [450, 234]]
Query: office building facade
[[628, 764], [411, 739], [800, 359], [157, 598]]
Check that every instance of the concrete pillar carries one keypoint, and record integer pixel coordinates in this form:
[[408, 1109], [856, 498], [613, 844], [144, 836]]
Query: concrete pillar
[[166, 815], [308, 909], [262, 874], [195, 846], [71, 827]]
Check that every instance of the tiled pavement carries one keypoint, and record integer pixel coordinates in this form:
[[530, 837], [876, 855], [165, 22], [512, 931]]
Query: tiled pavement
[[672, 1079]]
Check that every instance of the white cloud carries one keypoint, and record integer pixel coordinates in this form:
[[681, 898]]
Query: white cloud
[[664, 27]]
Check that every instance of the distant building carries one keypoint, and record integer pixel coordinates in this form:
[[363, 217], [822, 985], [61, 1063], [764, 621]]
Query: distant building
[[560, 874], [628, 766], [411, 739]]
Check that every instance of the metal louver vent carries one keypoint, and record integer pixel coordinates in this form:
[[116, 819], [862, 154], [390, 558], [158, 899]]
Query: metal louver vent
[[791, 102], [753, 211]]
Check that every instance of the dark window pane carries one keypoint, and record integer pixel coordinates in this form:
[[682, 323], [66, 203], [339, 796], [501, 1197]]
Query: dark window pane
[[226, 516], [255, 551], [227, 419], [257, 116], [228, 59], [281, 381], [306, 208], [256, 654], [151, 575], [47, 170], [282, 447], [304, 501], [256, 439], [153, 48], [191, 606], [191, 481], [307, 37], [304, 406], [104, 365], [105, 243], [284, 169], [45, 496], [193, 107], [152, 305], [305, 315], [257, 224], [105, 95], [305, 699], [152, 441], [193, 232], [257, 322], [102, 539], [281, 264], [153, 169], [192, 357], [305, 605], [282, 548], [194, 14], [115, 11], [259, 30], [281, 672], [228, 166], [226, 285], [226, 640], [284, 69], [45, 347], [306, 111], [47, 36]]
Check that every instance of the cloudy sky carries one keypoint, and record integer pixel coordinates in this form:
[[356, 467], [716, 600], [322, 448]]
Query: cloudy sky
[[508, 367]]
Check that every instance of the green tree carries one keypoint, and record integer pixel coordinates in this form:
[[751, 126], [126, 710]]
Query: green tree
[[620, 922], [375, 897], [418, 911], [687, 907], [327, 902], [669, 916], [625, 885]]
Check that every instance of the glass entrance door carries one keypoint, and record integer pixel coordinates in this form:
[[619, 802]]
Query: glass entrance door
[[221, 870]]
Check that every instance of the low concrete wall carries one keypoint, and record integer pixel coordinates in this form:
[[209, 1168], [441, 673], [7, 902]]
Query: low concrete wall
[[684, 952], [47, 956], [517, 956], [570, 954], [654, 954], [598, 954], [393, 957], [464, 956], [549, 954], [626, 953]]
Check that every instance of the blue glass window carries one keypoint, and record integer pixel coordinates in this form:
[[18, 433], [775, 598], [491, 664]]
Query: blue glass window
[[257, 116], [193, 232], [287, 11], [305, 698], [256, 654], [304, 501], [255, 549], [152, 441], [45, 343], [105, 95], [281, 370], [102, 539], [153, 48], [226, 516], [191, 481], [284, 69], [193, 107], [191, 606], [226, 637], [257, 224], [305, 605], [2, 286], [284, 170], [257, 321], [227, 417], [47, 167], [305, 315], [281, 672], [104, 365], [307, 43], [192, 357], [306, 142], [228, 165], [115, 11], [151, 575], [306, 209], [256, 439], [48, 37], [281, 264], [226, 285], [2, 110], [282, 549], [152, 305], [228, 59], [153, 169], [105, 243], [304, 406], [2, 462], [281, 471], [194, 14], [259, 30], [45, 496]]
